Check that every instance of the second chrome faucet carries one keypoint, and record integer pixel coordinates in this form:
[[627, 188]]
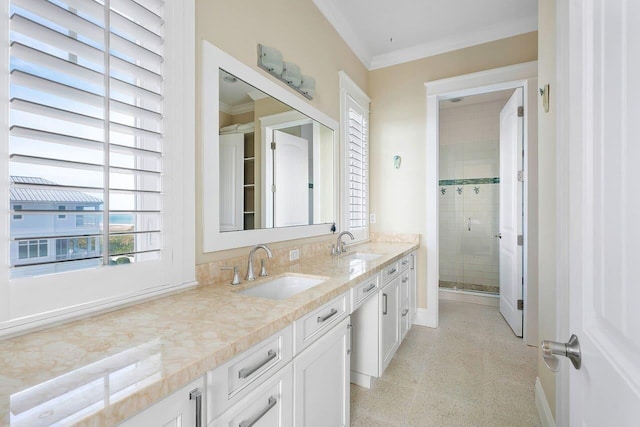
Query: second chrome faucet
[[339, 246]]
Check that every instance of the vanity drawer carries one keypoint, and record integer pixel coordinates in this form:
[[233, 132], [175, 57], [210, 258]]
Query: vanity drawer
[[390, 272], [364, 290], [313, 325], [232, 381], [271, 404], [405, 263], [404, 287]]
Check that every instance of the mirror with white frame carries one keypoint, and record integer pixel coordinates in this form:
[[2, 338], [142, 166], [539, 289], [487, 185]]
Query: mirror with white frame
[[269, 162]]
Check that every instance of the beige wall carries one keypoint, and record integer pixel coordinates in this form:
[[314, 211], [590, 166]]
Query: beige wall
[[547, 192], [299, 31], [398, 115]]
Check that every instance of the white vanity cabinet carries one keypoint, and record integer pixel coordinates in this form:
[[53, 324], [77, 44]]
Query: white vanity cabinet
[[321, 380], [381, 323], [183, 408], [299, 376]]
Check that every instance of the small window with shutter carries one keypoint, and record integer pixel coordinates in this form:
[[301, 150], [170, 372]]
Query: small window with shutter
[[355, 146]]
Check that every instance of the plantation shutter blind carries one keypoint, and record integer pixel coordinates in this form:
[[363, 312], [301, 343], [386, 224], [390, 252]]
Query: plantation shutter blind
[[357, 159], [86, 132]]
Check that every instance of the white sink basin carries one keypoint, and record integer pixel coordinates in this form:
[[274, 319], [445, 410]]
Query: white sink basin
[[282, 287], [363, 256]]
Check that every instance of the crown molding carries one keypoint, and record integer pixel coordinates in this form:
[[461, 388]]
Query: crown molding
[[437, 47], [225, 108], [242, 108], [342, 27], [237, 109]]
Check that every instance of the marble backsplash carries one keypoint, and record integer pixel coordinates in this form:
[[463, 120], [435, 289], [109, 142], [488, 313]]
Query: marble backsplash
[[212, 272]]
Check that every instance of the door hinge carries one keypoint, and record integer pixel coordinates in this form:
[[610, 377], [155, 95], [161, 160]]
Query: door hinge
[[273, 188], [520, 111], [520, 240], [520, 176], [273, 145], [520, 304]]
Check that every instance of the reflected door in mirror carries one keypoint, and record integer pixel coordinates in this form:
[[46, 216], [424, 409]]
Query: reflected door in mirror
[[291, 180]]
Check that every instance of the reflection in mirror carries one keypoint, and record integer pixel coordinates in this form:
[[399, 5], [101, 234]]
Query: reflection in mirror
[[276, 164]]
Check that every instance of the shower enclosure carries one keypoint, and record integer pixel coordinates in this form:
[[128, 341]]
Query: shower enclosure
[[469, 184]]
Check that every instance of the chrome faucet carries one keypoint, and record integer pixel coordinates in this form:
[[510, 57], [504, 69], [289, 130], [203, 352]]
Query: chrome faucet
[[339, 247], [263, 271]]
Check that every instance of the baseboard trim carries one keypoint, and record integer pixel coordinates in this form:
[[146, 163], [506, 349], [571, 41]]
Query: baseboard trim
[[426, 317], [361, 379], [542, 405], [470, 297]]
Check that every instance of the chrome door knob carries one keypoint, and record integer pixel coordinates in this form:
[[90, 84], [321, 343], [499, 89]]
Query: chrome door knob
[[570, 349], [499, 235]]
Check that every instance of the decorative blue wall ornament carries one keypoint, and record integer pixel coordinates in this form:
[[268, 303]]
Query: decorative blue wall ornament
[[459, 190], [443, 190], [396, 161], [476, 189]]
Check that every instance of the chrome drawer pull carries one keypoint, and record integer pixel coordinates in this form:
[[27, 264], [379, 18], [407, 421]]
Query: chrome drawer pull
[[251, 421], [393, 270], [384, 310], [405, 312], [332, 313], [370, 288], [405, 262], [405, 279], [245, 372], [196, 395]]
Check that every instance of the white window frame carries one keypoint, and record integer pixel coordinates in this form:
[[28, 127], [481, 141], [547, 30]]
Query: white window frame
[[351, 92], [29, 303]]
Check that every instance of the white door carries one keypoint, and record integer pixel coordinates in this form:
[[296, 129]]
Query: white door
[[322, 380], [291, 180], [231, 182], [602, 223], [511, 134]]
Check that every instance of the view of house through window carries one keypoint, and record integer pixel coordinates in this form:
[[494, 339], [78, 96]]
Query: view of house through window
[[86, 134]]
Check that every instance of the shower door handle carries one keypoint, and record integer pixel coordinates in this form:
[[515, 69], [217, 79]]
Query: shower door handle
[[469, 224]]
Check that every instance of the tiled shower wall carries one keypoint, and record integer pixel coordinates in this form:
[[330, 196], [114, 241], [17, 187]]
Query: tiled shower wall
[[469, 196]]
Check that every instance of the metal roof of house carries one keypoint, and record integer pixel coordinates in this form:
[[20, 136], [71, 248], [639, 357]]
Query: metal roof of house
[[33, 194]]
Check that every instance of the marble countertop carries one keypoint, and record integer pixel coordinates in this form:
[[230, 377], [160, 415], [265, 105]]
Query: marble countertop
[[103, 369]]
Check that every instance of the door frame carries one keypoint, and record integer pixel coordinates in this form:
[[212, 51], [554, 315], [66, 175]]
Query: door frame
[[519, 75]]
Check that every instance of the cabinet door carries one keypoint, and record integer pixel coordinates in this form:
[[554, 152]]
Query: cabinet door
[[321, 380], [389, 322], [413, 285], [176, 410]]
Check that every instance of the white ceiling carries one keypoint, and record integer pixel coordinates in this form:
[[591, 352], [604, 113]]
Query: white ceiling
[[383, 33]]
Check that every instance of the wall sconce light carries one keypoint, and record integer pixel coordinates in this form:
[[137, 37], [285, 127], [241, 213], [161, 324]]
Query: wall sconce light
[[308, 85], [291, 74], [270, 60], [397, 160]]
